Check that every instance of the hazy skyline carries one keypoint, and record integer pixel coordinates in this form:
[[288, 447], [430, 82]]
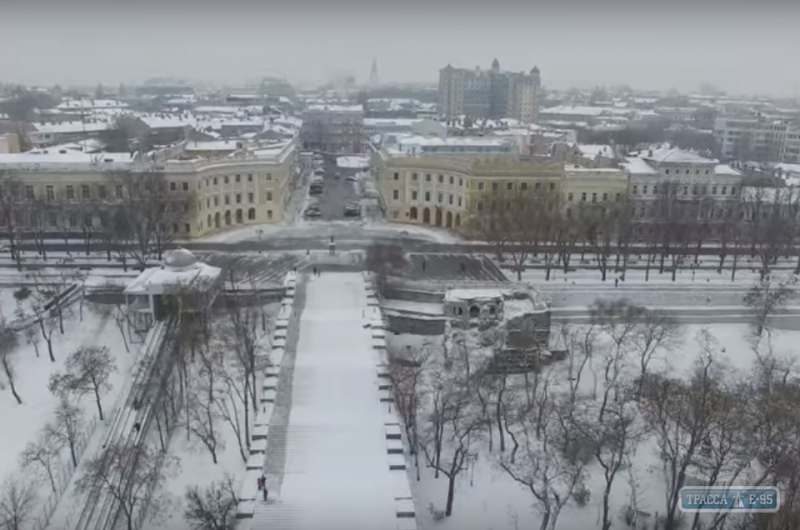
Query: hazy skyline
[[740, 49]]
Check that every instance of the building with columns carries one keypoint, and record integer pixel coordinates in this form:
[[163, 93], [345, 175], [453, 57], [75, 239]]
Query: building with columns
[[251, 185]]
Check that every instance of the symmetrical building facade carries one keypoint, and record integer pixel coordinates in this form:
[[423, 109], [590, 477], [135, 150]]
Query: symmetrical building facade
[[250, 186], [673, 175], [333, 129], [491, 94], [447, 189]]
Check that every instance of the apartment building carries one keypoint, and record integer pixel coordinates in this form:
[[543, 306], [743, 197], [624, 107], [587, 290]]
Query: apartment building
[[446, 189], [593, 186], [491, 94], [758, 139], [250, 186], [712, 186], [333, 129]]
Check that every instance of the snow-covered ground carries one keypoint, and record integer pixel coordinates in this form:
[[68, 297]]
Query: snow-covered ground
[[353, 162], [343, 230], [23, 423], [197, 467], [337, 470], [486, 498], [702, 278]]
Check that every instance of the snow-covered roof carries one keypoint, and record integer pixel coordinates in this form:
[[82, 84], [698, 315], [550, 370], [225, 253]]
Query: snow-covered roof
[[725, 169], [638, 166], [593, 151], [87, 104], [580, 169], [212, 145], [467, 295], [60, 156], [71, 127], [564, 110], [180, 270], [336, 108], [792, 169], [675, 155], [166, 121]]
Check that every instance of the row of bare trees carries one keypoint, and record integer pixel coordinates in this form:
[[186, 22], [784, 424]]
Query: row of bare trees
[[618, 393], [671, 230], [133, 214]]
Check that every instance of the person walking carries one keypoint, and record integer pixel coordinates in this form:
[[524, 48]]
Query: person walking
[[315, 271], [264, 489]]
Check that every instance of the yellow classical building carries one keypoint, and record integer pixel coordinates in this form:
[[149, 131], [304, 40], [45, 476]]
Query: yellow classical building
[[248, 186], [446, 188]]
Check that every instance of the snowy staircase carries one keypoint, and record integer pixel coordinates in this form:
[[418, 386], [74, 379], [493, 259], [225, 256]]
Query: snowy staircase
[[260, 436], [404, 505]]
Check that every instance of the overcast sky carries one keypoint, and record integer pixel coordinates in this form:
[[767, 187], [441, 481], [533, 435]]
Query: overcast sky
[[678, 44]]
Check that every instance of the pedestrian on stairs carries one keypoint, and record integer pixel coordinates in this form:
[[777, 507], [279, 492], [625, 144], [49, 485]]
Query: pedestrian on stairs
[[264, 487], [315, 271]]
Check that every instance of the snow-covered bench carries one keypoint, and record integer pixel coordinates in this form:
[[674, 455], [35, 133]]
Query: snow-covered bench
[[280, 334], [260, 431], [281, 323], [258, 446], [379, 343], [393, 446], [393, 431], [268, 396], [401, 489], [270, 382], [397, 462], [386, 396], [404, 508], [255, 462]]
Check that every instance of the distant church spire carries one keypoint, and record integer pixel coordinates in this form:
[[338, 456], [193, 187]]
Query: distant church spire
[[373, 75]]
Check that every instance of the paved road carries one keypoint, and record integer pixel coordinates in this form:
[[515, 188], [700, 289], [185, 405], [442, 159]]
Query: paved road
[[336, 194]]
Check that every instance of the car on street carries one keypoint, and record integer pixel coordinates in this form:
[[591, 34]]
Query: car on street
[[351, 178], [353, 209], [315, 189], [312, 211]]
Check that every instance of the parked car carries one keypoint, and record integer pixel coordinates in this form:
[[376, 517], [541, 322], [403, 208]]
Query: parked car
[[312, 211]]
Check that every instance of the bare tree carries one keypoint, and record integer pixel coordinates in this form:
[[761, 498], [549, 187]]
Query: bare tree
[[384, 260], [613, 440], [148, 211], [510, 221], [548, 464], [88, 370], [43, 457], [17, 503], [31, 334], [9, 212], [242, 339], [655, 332], [406, 377], [39, 216], [202, 412], [765, 301], [133, 475], [213, 507], [683, 416], [67, 428], [450, 447], [8, 342]]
